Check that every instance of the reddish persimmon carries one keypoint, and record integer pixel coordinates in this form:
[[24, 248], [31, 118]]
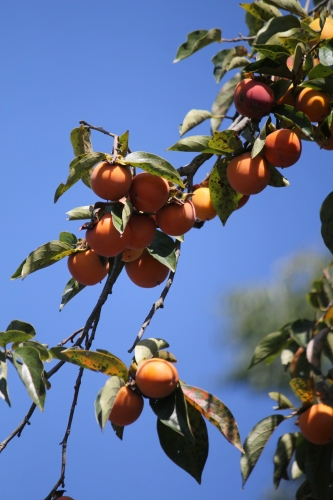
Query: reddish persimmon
[[146, 271], [143, 228], [105, 239], [148, 192], [156, 378], [87, 267], [248, 175], [282, 148], [111, 182], [253, 99], [130, 254], [316, 424], [315, 104], [203, 204], [176, 218], [244, 199], [127, 407]]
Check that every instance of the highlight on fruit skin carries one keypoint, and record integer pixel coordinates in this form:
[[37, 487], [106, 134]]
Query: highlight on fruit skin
[[111, 181], [87, 267], [127, 407], [148, 192], [253, 99], [248, 175], [282, 148], [327, 31], [316, 424], [314, 103], [176, 219], [156, 378], [130, 254], [203, 204], [146, 271], [105, 239]]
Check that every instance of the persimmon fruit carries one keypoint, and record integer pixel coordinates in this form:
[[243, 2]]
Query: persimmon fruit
[[316, 424], [327, 31], [87, 268], [105, 239], [127, 407], [253, 99], [130, 254], [241, 202], [143, 228], [146, 271], [176, 219], [203, 204], [248, 175], [149, 192], [111, 181], [289, 97], [156, 378], [282, 148], [314, 103]]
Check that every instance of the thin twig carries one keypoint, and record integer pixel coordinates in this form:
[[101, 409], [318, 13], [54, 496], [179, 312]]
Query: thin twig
[[99, 129], [239, 39], [17, 432], [70, 338], [320, 4]]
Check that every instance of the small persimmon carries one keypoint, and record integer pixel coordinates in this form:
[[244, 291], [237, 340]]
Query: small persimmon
[[130, 254], [149, 192], [316, 424], [111, 181], [314, 103], [203, 204], [146, 271], [248, 175], [105, 239], [143, 228], [282, 148], [176, 219], [156, 378], [127, 407], [87, 267]]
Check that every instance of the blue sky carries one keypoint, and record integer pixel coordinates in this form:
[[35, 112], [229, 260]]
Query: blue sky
[[110, 64]]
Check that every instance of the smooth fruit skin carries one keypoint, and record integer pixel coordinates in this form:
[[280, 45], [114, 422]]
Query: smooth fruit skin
[[156, 378], [282, 148], [289, 97], [146, 271], [87, 268], [149, 192], [327, 31], [253, 99], [127, 407], [130, 254], [176, 219], [143, 229], [248, 175], [203, 204], [315, 104], [316, 424], [244, 199], [111, 182], [105, 239]]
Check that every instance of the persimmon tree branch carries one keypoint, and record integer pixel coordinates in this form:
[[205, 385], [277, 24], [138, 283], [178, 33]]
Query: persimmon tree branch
[[240, 38], [99, 129], [320, 4]]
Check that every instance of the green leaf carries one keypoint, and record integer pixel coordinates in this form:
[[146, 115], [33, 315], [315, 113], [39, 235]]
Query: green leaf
[[273, 52], [197, 40], [190, 457], [215, 411], [194, 144], [163, 248], [298, 118], [17, 324], [325, 54], [292, 6], [319, 71], [304, 389], [106, 398], [167, 355], [228, 59], [323, 84], [326, 218], [256, 442], [119, 431], [71, 289], [283, 402], [301, 331], [276, 26], [194, 118], [31, 373], [3, 380], [78, 168], [154, 165], [259, 143], [224, 100], [79, 213], [254, 24], [318, 469], [147, 348], [261, 10], [270, 67], [284, 451], [42, 350], [123, 143], [273, 343], [227, 141], [17, 331], [276, 178], [69, 238], [81, 140]]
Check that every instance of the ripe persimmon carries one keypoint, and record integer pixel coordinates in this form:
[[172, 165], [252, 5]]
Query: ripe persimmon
[[316, 424], [130, 254], [176, 218], [248, 175], [146, 271], [327, 31], [253, 99], [105, 239], [156, 378], [241, 202], [111, 182], [203, 204], [143, 228], [282, 148], [149, 192], [314, 103], [127, 407], [289, 97], [87, 267]]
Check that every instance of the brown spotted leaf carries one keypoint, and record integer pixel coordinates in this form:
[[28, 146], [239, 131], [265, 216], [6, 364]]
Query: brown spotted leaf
[[304, 389]]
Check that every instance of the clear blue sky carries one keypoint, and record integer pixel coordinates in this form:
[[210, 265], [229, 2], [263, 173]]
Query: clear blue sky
[[110, 63]]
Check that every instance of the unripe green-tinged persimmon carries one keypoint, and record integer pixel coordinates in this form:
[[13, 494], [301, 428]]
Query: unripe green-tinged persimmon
[[327, 31], [203, 204], [130, 254], [111, 182], [253, 99], [87, 267], [156, 378], [282, 148], [105, 239], [146, 271], [143, 228], [176, 219], [148, 192], [316, 424], [314, 103], [127, 407], [248, 175]]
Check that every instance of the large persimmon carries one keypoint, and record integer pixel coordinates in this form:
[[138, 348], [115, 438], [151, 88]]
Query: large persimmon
[[282, 148], [105, 239], [177, 218], [156, 378], [111, 181], [143, 228], [314, 103], [149, 192], [248, 175], [203, 205], [87, 267], [146, 271], [127, 407], [316, 424], [253, 99]]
